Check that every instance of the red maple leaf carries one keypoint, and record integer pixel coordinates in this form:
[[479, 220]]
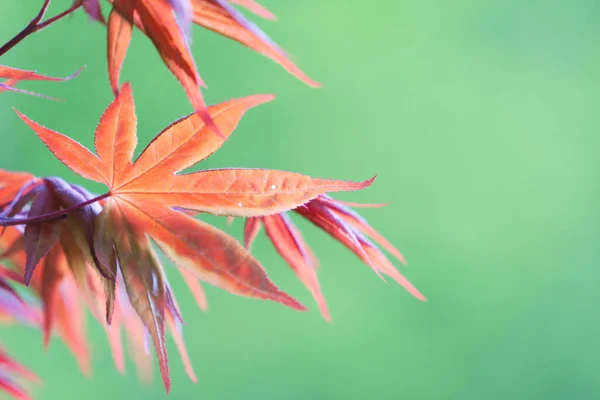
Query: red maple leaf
[[13, 307], [256, 8], [184, 9], [62, 303], [92, 8], [11, 184], [66, 285], [149, 200], [10, 371], [14, 75], [342, 223], [156, 20]]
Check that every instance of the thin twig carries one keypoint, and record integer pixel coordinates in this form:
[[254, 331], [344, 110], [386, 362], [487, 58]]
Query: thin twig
[[36, 25], [50, 216]]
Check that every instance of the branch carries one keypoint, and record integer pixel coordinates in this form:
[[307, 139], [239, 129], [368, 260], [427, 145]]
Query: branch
[[53, 216], [36, 25]]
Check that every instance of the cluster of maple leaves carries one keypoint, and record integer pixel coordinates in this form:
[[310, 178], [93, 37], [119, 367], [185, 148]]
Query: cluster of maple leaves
[[77, 250]]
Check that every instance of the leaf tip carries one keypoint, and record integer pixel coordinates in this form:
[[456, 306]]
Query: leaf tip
[[369, 182], [167, 382], [27, 276], [124, 91], [289, 301], [314, 84], [264, 98], [76, 73]]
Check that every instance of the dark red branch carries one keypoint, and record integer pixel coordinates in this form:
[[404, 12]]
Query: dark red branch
[[53, 216], [36, 25]]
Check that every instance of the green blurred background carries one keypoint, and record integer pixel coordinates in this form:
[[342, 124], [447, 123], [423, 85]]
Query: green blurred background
[[481, 121]]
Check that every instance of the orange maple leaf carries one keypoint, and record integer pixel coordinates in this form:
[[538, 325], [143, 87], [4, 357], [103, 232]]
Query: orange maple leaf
[[149, 199], [157, 21]]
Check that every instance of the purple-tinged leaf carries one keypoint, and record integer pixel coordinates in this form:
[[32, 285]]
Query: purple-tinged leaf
[[39, 238], [71, 196], [185, 13], [92, 9]]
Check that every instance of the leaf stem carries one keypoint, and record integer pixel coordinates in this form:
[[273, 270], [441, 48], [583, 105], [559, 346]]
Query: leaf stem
[[51, 216], [35, 25]]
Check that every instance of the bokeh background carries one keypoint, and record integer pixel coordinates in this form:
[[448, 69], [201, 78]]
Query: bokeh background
[[481, 121]]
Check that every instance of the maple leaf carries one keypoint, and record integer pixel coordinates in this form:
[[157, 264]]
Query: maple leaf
[[91, 8], [58, 251], [255, 7], [62, 306], [65, 292], [63, 278], [343, 224], [185, 12], [9, 370], [184, 9], [14, 75], [149, 199], [11, 184], [64, 281], [220, 17], [13, 307], [157, 21]]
